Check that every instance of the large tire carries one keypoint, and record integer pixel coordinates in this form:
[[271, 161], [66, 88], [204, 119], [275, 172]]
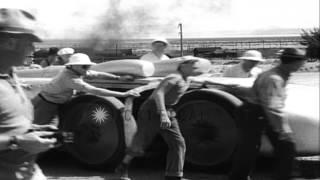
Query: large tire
[[98, 130], [207, 122]]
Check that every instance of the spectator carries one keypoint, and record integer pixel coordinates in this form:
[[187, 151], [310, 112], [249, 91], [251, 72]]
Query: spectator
[[270, 92], [158, 51], [63, 56], [247, 67], [52, 57], [18, 145]]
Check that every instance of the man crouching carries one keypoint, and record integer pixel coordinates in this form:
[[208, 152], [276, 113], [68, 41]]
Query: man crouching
[[156, 115]]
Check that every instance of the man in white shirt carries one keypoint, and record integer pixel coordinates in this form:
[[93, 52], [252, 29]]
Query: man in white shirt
[[247, 67], [61, 88], [158, 48]]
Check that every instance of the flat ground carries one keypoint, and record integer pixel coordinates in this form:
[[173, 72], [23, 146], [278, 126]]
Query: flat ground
[[62, 167]]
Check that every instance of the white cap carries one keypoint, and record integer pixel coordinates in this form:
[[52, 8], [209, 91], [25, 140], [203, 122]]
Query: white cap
[[79, 59], [65, 51], [252, 55], [163, 40]]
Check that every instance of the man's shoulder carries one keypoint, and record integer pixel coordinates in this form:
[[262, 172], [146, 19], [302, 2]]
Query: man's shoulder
[[149, 54], [233, 68], [272, 75], [165, 57], [173, 78], [68, 74]]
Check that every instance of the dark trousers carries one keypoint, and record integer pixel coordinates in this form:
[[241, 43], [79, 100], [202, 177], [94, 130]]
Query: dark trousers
[[45, 112], [251, 129], [148, 124]]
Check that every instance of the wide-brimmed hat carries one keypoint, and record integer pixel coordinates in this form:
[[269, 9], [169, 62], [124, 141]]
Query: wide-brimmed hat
[[18, 22], [65, 51], [159, 39], [293, 53], [252, 55], [79, 59]]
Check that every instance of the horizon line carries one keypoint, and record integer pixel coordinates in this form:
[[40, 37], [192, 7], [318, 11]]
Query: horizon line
[[212, 37]]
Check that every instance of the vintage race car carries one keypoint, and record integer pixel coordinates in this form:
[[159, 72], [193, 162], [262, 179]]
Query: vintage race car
[[208, 114]]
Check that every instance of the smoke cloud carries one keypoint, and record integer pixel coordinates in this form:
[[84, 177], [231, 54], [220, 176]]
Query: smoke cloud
[[123, 19], [145, 18]]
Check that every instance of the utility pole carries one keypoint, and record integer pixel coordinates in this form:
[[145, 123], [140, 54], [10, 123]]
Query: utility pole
[[181, 44]]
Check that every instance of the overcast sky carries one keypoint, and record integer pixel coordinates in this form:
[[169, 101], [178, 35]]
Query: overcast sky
[[150, 18]]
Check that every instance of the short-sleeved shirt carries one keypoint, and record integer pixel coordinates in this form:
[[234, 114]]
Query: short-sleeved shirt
[[178, 87], [61, 88], [270, 91], [238, 71], [153, 58], [16, 116]]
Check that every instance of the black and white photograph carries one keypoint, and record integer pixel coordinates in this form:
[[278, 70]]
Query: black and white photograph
[[159, 90]]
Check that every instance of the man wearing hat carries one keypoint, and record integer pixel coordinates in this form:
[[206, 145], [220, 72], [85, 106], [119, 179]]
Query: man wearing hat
[[63, 56], [158, 48], [247, 67], [157, 116], [270, 91], [61, 88], [18, 145]]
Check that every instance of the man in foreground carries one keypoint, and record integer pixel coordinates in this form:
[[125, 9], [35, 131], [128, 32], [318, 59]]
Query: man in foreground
[[270, 91], [18, 145]]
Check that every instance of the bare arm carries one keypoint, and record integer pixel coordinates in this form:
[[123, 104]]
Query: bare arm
[[99, 91], [101, 75], [159, 96], [129, 101], [80, 85]]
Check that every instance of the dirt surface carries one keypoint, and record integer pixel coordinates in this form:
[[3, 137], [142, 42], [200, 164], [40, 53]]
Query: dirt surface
[[59, 165]]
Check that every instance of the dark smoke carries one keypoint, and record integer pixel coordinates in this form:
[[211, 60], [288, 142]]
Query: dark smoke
[[118, 24], [142, 20]]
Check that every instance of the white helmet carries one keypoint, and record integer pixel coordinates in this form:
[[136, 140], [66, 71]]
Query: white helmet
[[64, 51], [80, 59], [160, 39], [252, 55]]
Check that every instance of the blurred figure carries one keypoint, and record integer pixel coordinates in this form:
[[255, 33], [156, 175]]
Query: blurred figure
[[52, 57], [18, 145], [63, 56], [62, 87], [158, 48], [29, 63], [270, 91], [247, 67]]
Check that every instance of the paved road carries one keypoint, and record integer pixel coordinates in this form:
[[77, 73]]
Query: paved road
[[60, 166]]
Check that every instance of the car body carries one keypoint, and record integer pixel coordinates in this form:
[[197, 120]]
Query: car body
[[207, 113]]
